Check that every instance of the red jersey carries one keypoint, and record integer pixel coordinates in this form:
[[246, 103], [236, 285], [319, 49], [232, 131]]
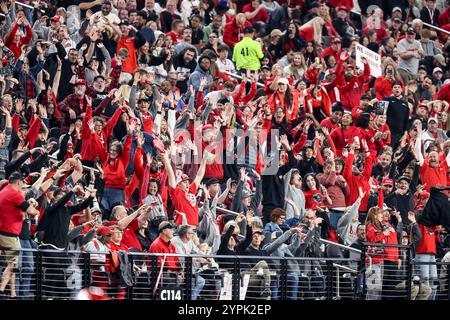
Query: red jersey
[[185, 202], [129, 238], [12, 205]]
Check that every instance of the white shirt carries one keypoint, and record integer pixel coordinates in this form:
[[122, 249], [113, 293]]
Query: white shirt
[[226, 65]]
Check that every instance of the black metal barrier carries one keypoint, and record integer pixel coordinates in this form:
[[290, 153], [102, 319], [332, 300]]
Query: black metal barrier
[[377, 272]]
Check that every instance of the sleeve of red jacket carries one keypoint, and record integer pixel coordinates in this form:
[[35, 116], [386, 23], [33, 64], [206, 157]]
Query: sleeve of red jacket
[[85, 130], [127, 151], [237, 97], [115, 76], [331, 143], [319, 157], [33, 132], [251, 94], [137, 163], [15, 121], [109, 127], [380, 199], [347, 172], [199, 100], [143, 191], [29, 35], [299, 145], [11, 35], [367, 167]]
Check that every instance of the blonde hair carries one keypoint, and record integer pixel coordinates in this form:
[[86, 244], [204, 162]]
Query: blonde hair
[[237, 230], [123, 92]]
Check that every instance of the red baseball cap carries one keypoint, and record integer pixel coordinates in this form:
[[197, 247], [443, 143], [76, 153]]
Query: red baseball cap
[[336, 40], [81, 82], [56, 19], [387, 181], [104, 231], [182, 177]]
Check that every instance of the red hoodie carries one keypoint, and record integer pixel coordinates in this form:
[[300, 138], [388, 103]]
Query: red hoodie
[[16, 48], [114, 169], [232, 34], [130, 64], [362, 180]]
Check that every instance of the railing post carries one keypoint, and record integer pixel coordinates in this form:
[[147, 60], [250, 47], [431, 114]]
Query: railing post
[[236, 279], [153, 275], [330, 287], [448, 281], [283, 280], [38, 295], [129, 289], [188, 278], [409, 273], [86, 269], [362, 271]]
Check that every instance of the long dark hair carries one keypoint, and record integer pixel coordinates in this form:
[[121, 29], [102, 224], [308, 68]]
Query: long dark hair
[[304, 184]]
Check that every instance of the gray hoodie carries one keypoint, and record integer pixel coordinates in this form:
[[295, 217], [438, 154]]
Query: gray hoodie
[[284, 250], [346, 227], [295, 195]]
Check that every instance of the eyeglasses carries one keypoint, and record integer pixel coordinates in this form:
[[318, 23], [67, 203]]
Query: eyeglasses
[[309, 218]]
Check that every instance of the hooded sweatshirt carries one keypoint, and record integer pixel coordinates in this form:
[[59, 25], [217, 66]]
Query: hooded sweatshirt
[[296, 196], [196, 76], [346, 227]]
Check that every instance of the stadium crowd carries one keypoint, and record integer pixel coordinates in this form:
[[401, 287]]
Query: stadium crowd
[[130, 125]]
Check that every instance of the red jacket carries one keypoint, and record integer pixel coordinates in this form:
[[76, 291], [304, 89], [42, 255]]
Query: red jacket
[[374, 235], [16, 48], [352, 91], [89, 146], [114, 169], [130, 64], [383, 87], [232, 34], [161, 246], [362, 180]]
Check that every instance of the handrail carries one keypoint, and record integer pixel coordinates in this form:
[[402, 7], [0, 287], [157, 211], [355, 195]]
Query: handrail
[[400, 246], [340, 246], [344, 268]]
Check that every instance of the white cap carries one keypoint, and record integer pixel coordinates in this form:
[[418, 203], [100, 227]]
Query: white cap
[[437, 69], [283, 80]]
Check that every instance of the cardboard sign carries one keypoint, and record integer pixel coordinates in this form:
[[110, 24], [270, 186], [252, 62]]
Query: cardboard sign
[[373, 59]]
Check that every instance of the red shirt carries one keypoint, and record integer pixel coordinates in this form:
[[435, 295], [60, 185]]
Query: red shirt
[[161, 246], [185, 202], [434, 176], [12, 205], [310, 203], [129, 238], [329, 124], [260, 16], [429, 238]]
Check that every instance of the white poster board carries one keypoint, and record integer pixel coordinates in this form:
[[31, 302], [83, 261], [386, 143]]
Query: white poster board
[[373, 59]]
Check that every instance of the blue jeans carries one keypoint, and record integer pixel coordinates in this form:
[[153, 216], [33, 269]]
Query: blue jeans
[[112, 197], [292, 287], [198, 287], [335, 215], [428, 272], [26, 269]]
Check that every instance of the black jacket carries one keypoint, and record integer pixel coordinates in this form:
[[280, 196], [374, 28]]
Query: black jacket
[[56, 220]]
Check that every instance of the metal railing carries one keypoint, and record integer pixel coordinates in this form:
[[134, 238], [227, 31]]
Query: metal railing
[[51, 274]]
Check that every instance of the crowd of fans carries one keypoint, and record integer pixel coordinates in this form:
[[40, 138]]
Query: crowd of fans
[[223, 127]]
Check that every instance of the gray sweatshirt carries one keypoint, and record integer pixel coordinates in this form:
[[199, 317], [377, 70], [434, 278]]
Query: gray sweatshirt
[[296, 196], [346, 227]]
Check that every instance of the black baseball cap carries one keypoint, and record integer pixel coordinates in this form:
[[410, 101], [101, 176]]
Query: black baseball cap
[[15, 176], [124, 21], [248, 30], [212, 181]]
